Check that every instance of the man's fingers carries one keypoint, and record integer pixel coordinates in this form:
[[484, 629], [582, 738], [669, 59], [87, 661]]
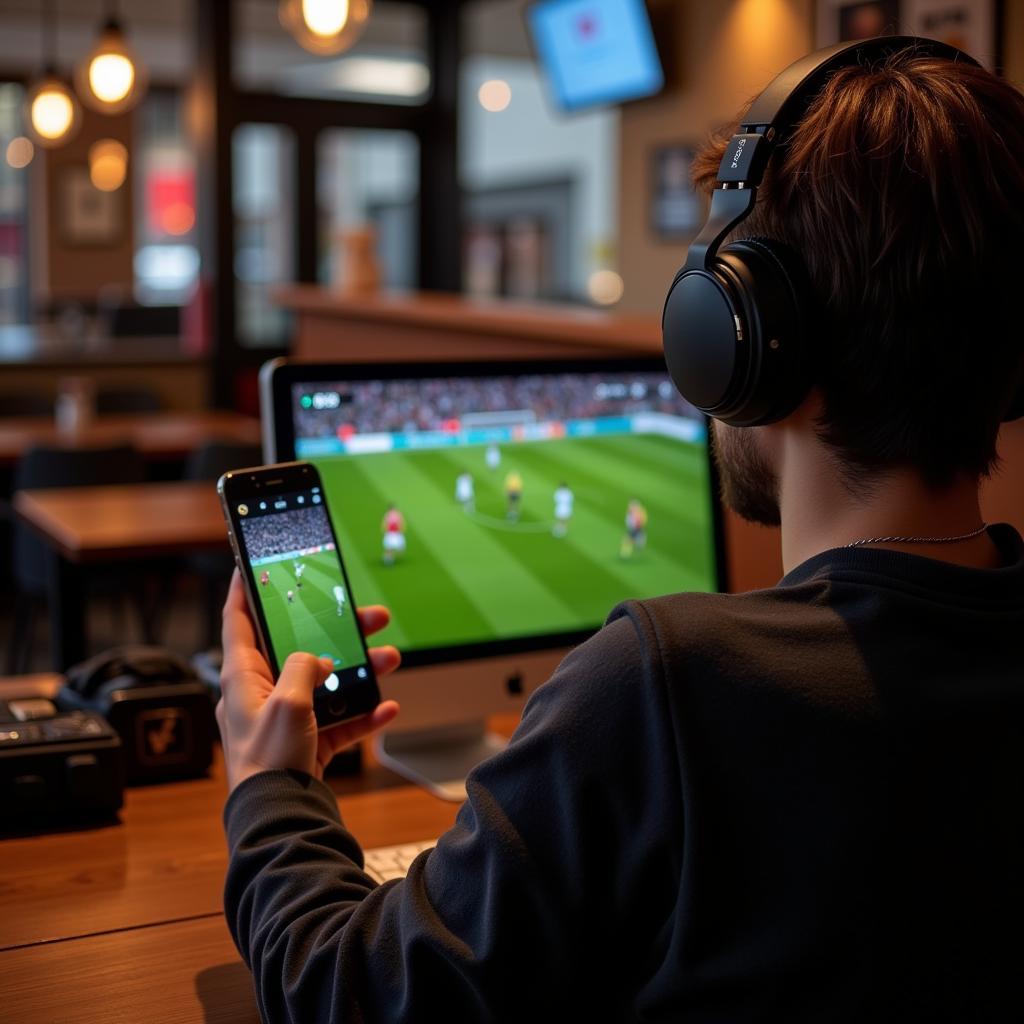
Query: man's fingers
[[236, 629], [344, 735], [385, 659], [373, 618]]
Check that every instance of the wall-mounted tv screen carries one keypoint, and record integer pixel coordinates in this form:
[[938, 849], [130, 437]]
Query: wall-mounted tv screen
[[595, 52]]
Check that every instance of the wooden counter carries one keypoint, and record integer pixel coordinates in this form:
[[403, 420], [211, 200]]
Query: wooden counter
[[434, 326], [159, 436]]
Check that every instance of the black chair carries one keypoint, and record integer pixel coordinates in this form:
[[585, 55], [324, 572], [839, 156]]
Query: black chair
[[127, 400], [128, 320], [42, 468], [214, 568], [211, 460]]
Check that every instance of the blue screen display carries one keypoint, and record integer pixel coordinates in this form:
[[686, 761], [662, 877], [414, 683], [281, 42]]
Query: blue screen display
[[595, 51]]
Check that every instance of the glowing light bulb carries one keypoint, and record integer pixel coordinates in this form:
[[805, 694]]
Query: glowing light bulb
[[111, 77], [20, 152], [52, 112], [605, 287], [495, 95], [108, 164], [325, 26], [325, 17]]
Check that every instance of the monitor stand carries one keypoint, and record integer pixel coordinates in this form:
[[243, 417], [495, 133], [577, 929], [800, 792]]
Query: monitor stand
[[439, 759]]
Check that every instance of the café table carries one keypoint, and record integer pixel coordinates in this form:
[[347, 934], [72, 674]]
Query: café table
[[160, 436], [123, 921], [88, 527]]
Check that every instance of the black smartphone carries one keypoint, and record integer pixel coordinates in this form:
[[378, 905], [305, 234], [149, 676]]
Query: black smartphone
[[299, 595]]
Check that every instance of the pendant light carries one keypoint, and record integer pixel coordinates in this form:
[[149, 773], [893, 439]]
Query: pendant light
[[111, 79], [51, 111], [325, 26]]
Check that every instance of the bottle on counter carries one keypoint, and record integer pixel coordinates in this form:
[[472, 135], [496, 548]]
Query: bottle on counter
[[76, 405]]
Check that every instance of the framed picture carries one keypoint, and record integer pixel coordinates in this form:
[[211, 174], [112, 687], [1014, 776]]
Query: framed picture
[[969, 25], [88, 216], [676, 209], [842, 20]]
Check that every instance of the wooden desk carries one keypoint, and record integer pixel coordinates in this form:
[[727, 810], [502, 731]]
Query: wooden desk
[[124, 922], [91, 525], [159, 436]]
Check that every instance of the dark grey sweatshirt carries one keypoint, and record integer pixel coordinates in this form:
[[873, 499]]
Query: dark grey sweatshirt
[[799, 804]]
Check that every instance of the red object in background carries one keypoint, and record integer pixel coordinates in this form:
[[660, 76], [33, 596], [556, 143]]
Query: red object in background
[[451, 426], [11, 239], [196, 333], [171, 202], [345, 431], [247, 392]]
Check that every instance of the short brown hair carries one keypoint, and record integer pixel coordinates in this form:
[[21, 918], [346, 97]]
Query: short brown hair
[[902, 189]]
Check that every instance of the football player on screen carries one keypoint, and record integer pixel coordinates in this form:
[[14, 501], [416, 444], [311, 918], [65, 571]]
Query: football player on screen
[[393, 534]]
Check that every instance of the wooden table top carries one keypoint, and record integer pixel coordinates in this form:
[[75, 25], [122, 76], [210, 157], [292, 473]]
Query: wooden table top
[[179, 973], [124, 922], [92, 524], [163, 435]]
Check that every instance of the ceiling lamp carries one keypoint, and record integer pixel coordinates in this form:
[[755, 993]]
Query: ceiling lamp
[[111, 79], [325, 26], [51, 111]]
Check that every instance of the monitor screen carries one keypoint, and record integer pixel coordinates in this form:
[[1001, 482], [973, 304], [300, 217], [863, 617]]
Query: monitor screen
[[501, 509], [595, 51]]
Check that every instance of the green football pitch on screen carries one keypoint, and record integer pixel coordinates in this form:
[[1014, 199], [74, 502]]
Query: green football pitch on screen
[[310, 620], [472, 575]]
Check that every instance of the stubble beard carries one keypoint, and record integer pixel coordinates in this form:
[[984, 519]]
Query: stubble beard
[[749, 486]]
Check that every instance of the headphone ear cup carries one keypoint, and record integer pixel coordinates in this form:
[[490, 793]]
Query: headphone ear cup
[[782, 313], [735, 335]]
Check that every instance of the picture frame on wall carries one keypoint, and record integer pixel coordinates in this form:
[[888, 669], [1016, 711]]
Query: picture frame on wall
[[676, 209], [847, 20], [88, 216], [969, 25]]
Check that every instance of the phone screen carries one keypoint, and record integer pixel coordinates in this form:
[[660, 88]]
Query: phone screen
[[297, 577]]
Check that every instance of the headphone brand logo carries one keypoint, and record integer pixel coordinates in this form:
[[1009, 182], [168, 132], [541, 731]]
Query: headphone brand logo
[[739, 152]]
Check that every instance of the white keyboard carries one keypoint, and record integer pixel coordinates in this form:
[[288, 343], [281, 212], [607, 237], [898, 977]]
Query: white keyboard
[[387, 862]]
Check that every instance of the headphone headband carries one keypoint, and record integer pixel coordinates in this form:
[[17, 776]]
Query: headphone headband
[[772, 117], [779, 108]]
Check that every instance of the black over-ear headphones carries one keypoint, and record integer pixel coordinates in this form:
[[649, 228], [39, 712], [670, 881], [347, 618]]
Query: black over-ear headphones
[[738, 320]]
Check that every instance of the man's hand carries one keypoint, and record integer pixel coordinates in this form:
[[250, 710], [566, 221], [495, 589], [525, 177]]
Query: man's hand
[[265, 727]]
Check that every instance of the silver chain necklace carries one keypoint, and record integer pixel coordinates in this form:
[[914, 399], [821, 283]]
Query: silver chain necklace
[[918, 540]]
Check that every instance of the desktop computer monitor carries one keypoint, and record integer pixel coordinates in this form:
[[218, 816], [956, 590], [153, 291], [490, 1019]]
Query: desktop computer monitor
[[500, 511]]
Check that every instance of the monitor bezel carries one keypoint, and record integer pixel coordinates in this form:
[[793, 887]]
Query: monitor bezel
[[281, 374], [597, 101]]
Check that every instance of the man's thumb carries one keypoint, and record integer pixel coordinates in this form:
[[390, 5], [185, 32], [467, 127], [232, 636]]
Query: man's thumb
[[301, 675]]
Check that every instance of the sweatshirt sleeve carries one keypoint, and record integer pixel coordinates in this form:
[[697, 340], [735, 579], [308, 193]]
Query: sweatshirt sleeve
[[531, 907]]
